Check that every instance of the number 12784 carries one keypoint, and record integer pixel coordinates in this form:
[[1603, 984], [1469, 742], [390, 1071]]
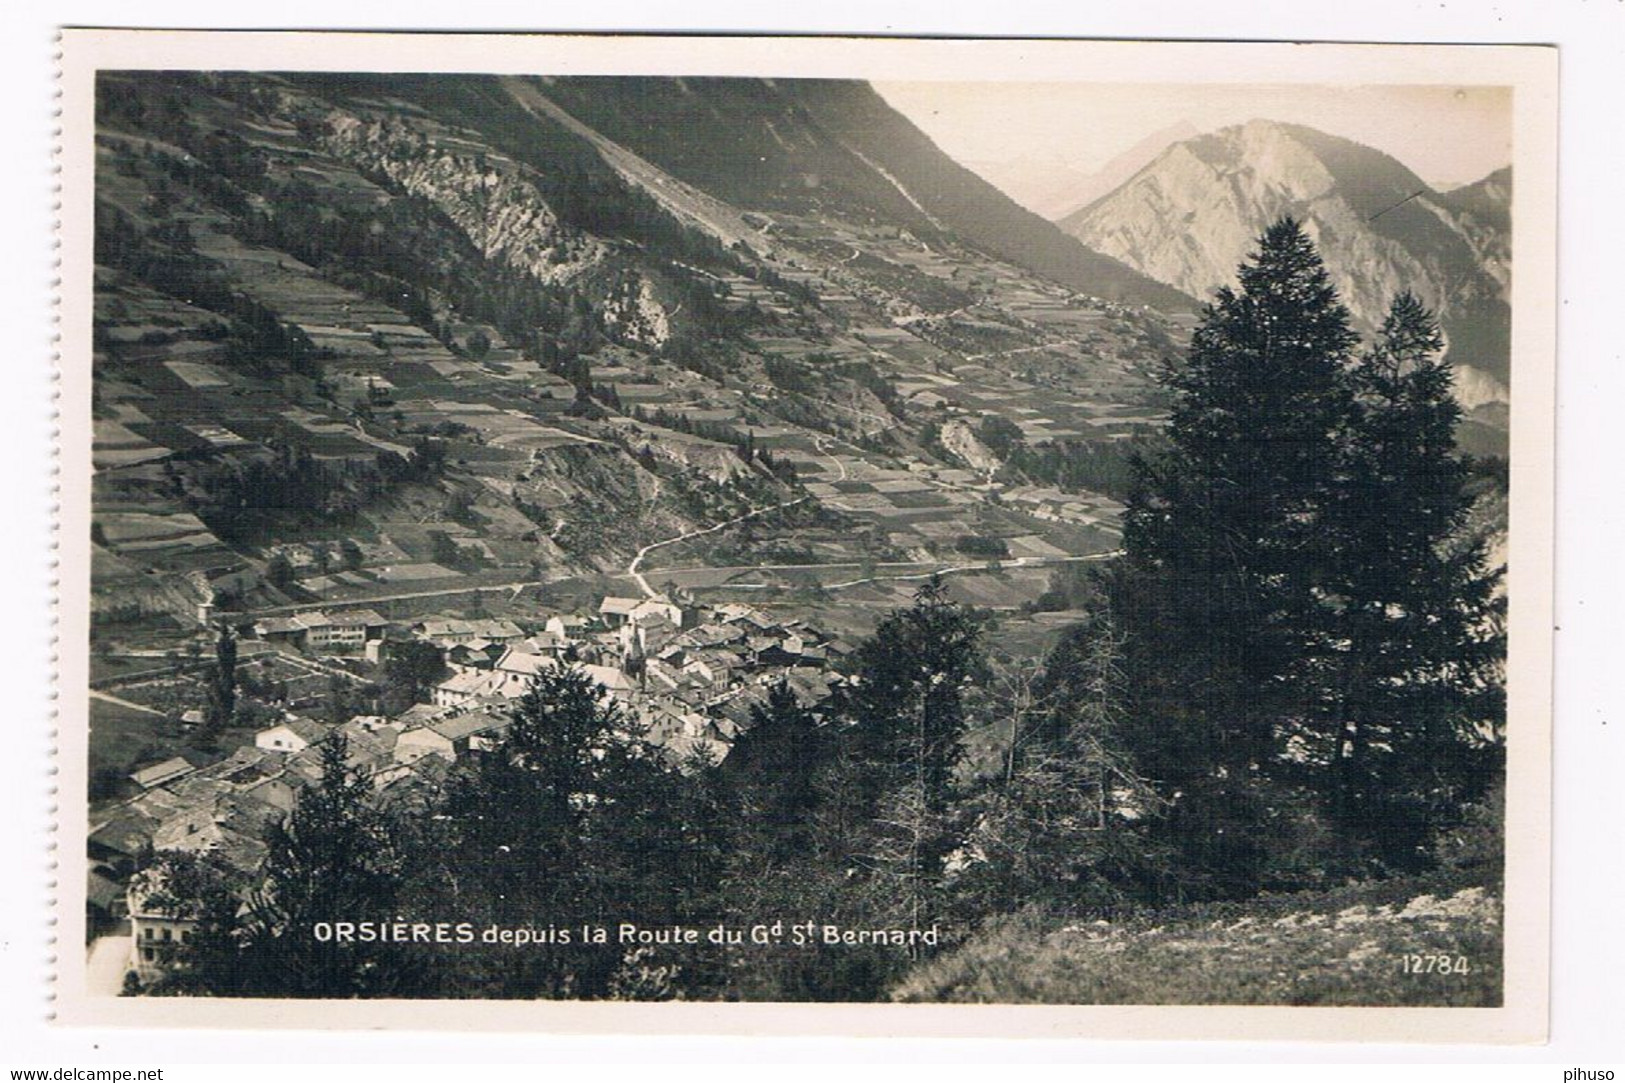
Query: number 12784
[[1434, 963]]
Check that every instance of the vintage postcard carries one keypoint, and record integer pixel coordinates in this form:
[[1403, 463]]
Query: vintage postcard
[[824, 536]]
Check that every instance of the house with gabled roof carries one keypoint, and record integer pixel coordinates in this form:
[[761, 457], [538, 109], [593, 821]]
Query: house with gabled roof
[[416, 715], [104, 895], [617, 611], [454, 630], [453, 737], [159, 922], [161, 774], [474, 654], [566, 627], [295, 735], [444, 629], [473, 686], [121, 839], [346, 631], [523, 662], [545, 642], [612, 680]]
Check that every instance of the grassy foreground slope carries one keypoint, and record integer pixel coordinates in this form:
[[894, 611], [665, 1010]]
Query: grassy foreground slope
[[1345, 947]]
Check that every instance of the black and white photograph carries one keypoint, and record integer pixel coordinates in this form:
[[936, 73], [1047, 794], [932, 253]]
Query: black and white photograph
[[590, 532]]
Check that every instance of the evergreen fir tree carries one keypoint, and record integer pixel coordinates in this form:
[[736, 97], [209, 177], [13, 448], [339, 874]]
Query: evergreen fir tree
[[1413, 716], [1226, 527], [773, 767], [907, 704], [221, 689], [1309, 628], [1225, 548], [1063, 822], [522, 813], [890, 792], [574, 819], [332, 859]]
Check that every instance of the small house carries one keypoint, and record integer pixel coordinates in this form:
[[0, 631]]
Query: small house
[[293, 736], [161, 774]]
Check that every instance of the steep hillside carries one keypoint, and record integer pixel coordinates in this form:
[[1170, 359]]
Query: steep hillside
[[1376, 944], [331, 308], [1189, 217], [371, 337], [820, 145], [1489, 199]]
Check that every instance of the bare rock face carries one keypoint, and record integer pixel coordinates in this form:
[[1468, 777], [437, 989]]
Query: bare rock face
[[1192, 215], [958, 438], [504, 215]]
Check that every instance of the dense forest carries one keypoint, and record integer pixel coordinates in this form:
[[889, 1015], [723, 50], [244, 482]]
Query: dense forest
[[1290, 680]]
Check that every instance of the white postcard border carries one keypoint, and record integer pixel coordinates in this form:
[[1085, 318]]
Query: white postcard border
[[1531, 71]]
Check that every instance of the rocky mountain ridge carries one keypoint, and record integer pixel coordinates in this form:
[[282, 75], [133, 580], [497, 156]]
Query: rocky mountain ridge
[[1190, 216]]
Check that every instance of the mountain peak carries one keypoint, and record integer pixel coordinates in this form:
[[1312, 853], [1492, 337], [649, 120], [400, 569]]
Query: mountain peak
[[1191, 216]]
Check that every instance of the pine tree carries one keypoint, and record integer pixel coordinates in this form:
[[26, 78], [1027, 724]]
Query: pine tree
[[220, 690], [907, 705], [333, 859], [773, 768], [523, 812], [1412, 717], [1225, 550], [1223, 535], [1064, 820], [574, 819], [891, 790], [1313, 637]]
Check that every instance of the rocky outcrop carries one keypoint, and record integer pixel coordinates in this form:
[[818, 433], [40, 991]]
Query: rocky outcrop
[[958, 438], [505, 216], [499, 210]]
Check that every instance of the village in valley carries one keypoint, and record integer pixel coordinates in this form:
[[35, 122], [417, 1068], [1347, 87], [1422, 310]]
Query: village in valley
[[687, 678], [403, 477]]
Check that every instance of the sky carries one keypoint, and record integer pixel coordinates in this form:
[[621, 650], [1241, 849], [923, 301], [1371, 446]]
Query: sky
[[1446, 135]]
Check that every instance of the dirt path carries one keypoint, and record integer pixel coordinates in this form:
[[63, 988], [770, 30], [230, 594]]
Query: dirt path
[[977, 357], [375, 599], [979, 566], [643, 584], [107, 698], [822, 444], [919, 569], [311, 664]]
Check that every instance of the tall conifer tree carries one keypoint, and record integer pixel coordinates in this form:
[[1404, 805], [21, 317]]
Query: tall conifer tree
[[1224, 534], [1308, 623], [1413, 714]]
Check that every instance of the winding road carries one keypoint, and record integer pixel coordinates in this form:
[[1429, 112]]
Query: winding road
[[919, 569], [643, 584]]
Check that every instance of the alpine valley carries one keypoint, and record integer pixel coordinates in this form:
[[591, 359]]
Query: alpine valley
[[614, 313], [680, 503]]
